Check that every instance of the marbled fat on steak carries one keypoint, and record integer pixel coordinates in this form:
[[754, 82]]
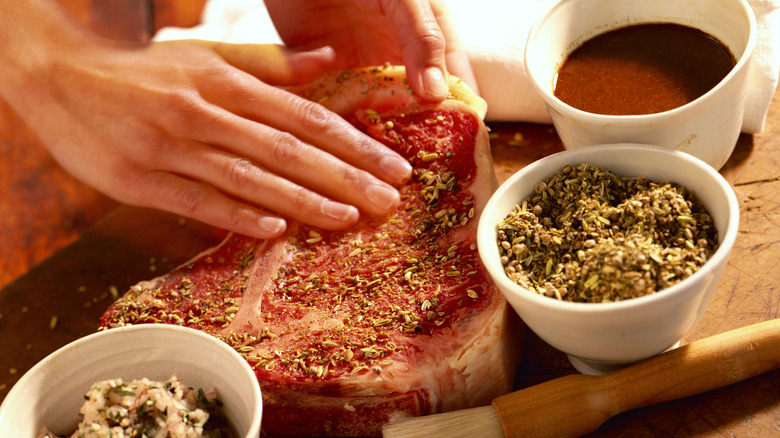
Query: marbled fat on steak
[[395, 317]]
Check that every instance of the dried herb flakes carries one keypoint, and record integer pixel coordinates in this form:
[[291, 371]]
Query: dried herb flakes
[[589, 235]]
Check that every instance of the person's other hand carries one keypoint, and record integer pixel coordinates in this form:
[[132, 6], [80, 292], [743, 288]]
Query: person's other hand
[[416, 33]]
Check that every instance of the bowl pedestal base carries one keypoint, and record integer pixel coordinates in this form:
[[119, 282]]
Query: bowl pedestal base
[[597, 367]]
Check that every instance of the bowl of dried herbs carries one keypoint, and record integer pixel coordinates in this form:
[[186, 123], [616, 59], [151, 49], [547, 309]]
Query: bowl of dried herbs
[[610, 253]]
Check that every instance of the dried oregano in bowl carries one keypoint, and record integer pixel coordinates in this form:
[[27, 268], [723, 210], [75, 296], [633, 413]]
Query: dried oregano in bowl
[[589, 235]]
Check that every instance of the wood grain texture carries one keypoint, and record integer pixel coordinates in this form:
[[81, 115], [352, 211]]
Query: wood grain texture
[[42, 207], [64, 248], [576, 404], [63, 297]]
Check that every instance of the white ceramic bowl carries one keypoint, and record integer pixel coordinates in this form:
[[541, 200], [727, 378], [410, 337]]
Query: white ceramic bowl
[[707, 128], [51, 393], [601, 337]]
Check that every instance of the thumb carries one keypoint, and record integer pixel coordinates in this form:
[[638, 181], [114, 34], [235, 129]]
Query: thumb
[[423, 46], [277, 65]]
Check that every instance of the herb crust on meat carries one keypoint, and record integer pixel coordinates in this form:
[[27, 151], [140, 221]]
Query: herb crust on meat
[[395, 317]]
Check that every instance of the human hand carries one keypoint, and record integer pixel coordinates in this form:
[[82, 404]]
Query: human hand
[[201, 129], [416, 33]]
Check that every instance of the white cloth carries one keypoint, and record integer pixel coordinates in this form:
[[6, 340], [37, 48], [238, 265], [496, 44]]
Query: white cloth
[[495, 44]]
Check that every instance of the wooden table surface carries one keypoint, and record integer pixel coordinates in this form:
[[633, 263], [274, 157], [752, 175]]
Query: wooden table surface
[[66, 250]]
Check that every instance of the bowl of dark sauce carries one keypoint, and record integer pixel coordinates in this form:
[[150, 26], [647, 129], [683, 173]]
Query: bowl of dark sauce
[[642, 69], [667, 73]]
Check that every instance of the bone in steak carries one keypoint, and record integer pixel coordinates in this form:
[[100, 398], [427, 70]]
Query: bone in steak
[[394, 317]]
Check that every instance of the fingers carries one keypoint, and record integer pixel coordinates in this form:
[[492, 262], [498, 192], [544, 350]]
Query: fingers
[[317, 136], [315, 125], [290, 177], [168, 192], [276, 65], [203, 202], [423, 46], [286, 112], [457, 59], [263, 147]]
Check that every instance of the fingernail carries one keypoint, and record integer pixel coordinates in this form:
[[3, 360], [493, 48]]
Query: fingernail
[[339, 211], [272, 225], [395, 167], [325, 49], [382, 196], [434, 83]]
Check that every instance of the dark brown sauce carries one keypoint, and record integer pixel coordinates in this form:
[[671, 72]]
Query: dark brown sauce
[[642, 69]]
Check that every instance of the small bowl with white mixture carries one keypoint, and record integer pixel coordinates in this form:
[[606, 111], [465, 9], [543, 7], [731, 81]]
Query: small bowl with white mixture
[[146, 377], [610, 253]]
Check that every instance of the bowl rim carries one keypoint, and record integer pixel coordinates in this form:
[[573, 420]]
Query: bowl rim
[[549, 97], [21, 385], [486, 231]]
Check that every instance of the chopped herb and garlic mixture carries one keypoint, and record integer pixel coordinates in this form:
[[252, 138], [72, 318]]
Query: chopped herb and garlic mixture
[[143, 408], [589, 235]]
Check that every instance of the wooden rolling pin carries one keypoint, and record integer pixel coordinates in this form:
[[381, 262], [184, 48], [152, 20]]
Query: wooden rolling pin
[[577, 404]]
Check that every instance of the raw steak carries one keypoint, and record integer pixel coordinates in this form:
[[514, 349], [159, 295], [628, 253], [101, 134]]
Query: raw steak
[[395, 317]]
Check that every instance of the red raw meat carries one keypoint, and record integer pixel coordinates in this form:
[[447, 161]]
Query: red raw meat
[[395, 317]]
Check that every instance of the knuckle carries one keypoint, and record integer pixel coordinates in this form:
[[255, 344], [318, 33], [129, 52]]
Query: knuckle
[[182, 111], [235, 217], [124, 172], [432, 41], [180, 101], [297, 203], [299, 200], [131, 182], [191, 199], [286, 148], [216, 68], [152, 151], [353, 177], [316, 120], [240, 173]]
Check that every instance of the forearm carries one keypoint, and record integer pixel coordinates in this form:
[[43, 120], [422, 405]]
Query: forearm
[[35, 35]]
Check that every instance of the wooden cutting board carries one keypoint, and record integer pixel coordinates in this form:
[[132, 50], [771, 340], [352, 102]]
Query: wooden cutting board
[[74, 285], [62, 299]]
